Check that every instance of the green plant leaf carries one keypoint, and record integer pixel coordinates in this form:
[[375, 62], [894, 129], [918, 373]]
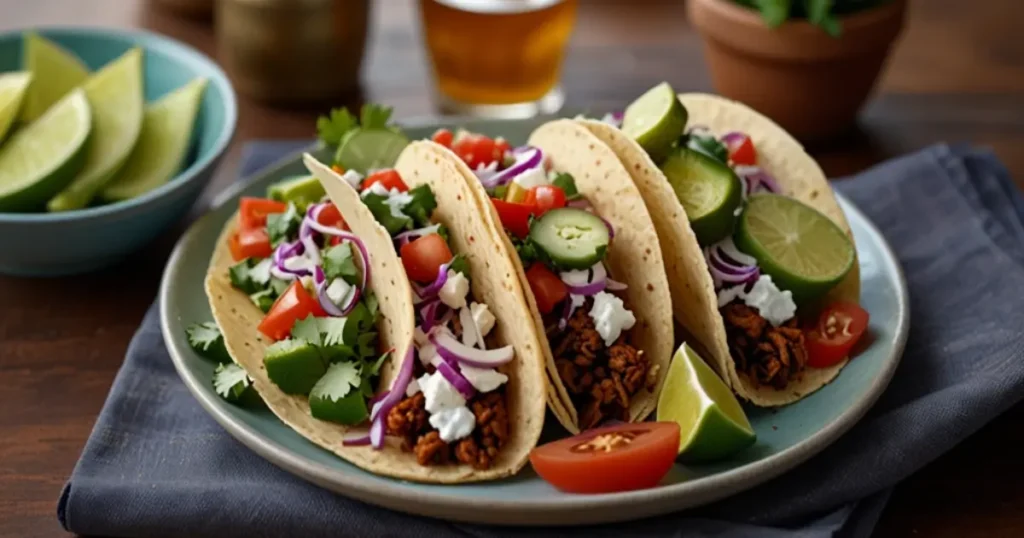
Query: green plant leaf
[[334, 126], [774, 12]]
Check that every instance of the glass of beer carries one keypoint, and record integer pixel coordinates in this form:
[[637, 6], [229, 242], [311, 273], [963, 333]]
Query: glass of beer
[[498, 58]]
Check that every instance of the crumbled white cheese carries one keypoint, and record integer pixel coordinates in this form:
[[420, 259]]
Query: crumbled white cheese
[[610, 317], [610, 119], [453, 424], [353, 178], [397, 201], [532, 178], [454, 291], [412, 388], [427, 353], [439, 393], [470, 334], [377, 188], [299, 263], [728, 295], [338, 290], [260, 272], [482, 318], [483, 379], [774, 305]]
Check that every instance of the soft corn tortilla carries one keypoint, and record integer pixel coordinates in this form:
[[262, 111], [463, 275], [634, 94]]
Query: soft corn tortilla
[[239, 318], [693, 294], [634, 256]]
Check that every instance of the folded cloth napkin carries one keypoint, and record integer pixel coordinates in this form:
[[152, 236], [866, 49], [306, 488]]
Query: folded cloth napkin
[[156, 465]]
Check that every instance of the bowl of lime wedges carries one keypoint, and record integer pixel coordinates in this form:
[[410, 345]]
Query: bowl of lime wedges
[[107, 137]]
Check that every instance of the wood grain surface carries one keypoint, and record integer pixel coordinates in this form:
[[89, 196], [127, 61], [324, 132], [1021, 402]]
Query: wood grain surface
[[957, 76]]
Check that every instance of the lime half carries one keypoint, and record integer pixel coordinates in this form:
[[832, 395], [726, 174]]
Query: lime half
[[115, 95], [55, 72], [712, 425], [43, 157], [12, 92], [708, 190], [163, 143], [803, 250], [364, 150], [655, 120]]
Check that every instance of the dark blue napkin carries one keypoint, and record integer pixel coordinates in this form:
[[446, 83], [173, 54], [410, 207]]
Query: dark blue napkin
[[156, 465]]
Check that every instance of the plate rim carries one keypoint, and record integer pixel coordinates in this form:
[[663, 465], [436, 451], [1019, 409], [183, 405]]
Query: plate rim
[[573, 510]]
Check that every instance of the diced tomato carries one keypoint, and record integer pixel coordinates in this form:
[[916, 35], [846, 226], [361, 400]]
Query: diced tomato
[[423, 257], [741, 151], [544, 198], [252, 212], [443, 137], [250, 243], [338, 169], [514, 217], [294, 304], [389, 179], [547, 288], [616, 458], [502, 147], [837, 331], [477, 149], [331, 216]]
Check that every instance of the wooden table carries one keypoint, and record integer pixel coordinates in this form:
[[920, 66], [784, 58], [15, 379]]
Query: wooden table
[[958, 75]]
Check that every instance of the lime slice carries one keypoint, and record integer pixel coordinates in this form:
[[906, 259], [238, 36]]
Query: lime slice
[[655, 120], [803, 250], [163, 143], [12, 92], [708, 190], [55, 72], [115, 95], [712, 425], [370, 149], [43, 157]]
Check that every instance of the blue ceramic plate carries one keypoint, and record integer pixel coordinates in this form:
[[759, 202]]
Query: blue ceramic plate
[[785, 437]]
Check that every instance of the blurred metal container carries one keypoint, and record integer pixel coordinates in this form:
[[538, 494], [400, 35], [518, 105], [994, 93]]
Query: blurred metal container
[[292, 52]]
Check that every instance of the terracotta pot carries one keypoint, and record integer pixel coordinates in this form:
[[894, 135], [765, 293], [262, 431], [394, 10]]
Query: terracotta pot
[[809, 82]]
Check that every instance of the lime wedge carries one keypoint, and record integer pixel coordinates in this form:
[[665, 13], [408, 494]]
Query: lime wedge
[[370, 149], [115, 95], [708, 190], [55, 72], [163, 143], [712, 425], [803, 250], [43, 157], [655, 120], [12, 92]]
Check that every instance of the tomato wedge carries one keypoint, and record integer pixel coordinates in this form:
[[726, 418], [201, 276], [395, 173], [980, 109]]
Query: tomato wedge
[[547, 288], [443, 137], [477, 149], [423, 257], [514, 217], [389, 179], [294, 304], [839, 328], [623, 457], [252, 212], [544, 198], [741, 151], [250, 243]]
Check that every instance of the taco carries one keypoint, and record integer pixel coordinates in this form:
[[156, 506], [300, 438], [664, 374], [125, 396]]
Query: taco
[[582, 242], [759, 255], [308, 297]]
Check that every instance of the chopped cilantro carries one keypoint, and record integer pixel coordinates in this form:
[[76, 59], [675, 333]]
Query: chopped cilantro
[[459, 264], [527, 251], [338, 397], [280, 226], [366, 345], [374, 116], [234, 385], [708, 145], [421, 206], [279, 286], [370, 300], [338, 262], [339, 380], [377, 205], [308, 330], [260, 272], [264, 299], [334, 126], [241, 276], [338, 330], [206, 340], [369, 371], [566, 182]]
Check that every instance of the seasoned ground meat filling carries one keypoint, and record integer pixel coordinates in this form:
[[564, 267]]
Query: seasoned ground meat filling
[[601, 380], [408, 419], [768, 355]]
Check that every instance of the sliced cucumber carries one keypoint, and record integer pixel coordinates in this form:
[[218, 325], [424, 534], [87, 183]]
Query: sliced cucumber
[[370, 149], [709, 191], [571, 238]]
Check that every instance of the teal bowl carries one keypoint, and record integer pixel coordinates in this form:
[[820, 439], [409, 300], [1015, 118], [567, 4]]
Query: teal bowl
[[52, 244]]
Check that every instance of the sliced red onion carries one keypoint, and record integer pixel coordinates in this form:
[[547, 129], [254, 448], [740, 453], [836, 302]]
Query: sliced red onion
[[347, 236], [588, 282], [722, 271], [614, 118], [755, 179], [572, 302], [356, 438], [486, 173], [731, 254], [470, 332], [306, 237], [397, 389], [456, 378], [377, 433], [451, 349], [579, 203], [611, 229], [328, 305], [614, 285], [406, 237], [428, 314], [426, 292], [378, 397], [283, 252], [733, 137], [527, 157], [318, 275]]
